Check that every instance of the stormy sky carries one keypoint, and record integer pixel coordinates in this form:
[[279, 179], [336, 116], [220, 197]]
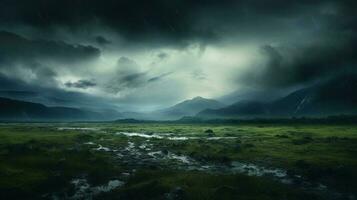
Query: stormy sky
[[144, 55]]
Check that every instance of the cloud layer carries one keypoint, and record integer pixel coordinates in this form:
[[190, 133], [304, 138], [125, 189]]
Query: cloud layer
[[155, 53]]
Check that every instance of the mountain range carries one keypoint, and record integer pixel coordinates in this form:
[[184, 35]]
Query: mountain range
[[188, 107], [332, 97], [16, 110]]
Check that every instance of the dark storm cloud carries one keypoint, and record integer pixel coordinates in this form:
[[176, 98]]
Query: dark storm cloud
[[132, 79], [15, 48], [157, 78], [298, 64], [162, 56], [50, 96], [143, 20], [127, 63], [102, 40], [44, 75], [313, 42], [128, 76], [82, 84], [301, 41], [36, 62], [177, 22], [127, 81]]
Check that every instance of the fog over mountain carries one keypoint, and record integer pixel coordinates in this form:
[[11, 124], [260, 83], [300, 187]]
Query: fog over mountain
[[145, 56], [332, 97]]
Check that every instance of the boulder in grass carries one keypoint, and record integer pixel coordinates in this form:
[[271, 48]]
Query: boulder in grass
[[210, 133]]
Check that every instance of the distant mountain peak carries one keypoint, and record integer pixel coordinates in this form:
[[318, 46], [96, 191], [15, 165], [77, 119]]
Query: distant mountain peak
[[199, 98], [189, 107], [199, 101]]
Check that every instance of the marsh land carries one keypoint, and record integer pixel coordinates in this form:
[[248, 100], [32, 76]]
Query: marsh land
[[177, 161]]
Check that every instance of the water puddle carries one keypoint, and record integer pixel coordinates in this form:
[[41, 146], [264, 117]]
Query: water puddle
[[83, 189], [169, 136], [255, 170], [101, 148], [164, 156], [89, 143], [184, 138], [140, 135], [145, 154]]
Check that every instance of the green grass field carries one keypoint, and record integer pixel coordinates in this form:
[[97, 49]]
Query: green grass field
[[176, 161]]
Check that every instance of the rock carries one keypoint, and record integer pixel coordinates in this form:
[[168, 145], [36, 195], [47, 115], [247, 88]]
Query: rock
[[165, 151], [209, 131], [176, 194]]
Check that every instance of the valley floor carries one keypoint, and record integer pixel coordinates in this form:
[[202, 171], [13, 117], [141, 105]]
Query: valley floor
[[177, 161]]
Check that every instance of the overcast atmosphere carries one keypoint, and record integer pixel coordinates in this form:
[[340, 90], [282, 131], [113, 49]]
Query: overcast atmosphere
[[178, 99], [147, 55]]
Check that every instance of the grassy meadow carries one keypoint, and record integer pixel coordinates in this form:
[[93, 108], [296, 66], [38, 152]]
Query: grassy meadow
[[177, 161]]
